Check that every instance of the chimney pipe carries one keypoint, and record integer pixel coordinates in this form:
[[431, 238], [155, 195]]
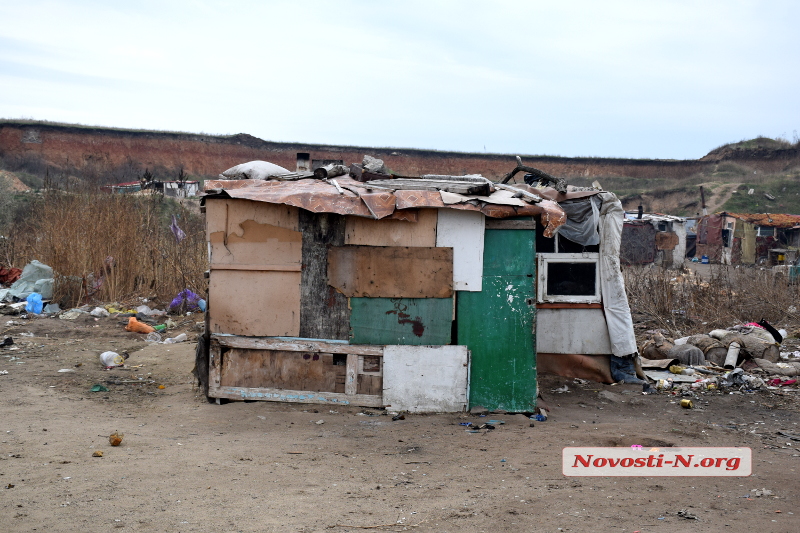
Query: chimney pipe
[[303, 162], [641, 212]]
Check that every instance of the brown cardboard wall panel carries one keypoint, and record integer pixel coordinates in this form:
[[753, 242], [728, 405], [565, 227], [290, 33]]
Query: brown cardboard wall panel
[[254, 303], [303, 371], [243, 232], [391, 271], [369, 232]]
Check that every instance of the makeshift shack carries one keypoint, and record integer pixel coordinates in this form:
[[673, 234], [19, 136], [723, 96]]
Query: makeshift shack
[[743, 238], [421, 294], [653, 238]]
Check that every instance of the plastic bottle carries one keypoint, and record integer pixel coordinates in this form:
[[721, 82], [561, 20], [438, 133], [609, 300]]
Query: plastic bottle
[[110, 359], [179, 338]]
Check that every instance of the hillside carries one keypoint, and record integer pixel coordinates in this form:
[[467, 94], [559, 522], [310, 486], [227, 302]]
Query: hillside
[[60, 155]]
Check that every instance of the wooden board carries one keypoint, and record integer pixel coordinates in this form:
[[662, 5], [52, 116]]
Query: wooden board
[[426, 378], [391, 272], [242, 232], [295, 373], [324, 313], [498, 324], [281, 370], [411, 321], [368, 232], [463, 232], [254, 303]]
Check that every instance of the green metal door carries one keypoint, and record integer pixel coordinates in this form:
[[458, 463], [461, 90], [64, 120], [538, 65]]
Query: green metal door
[[498, 323]]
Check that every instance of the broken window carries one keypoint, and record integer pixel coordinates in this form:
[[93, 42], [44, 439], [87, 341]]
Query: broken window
[[765, 231]]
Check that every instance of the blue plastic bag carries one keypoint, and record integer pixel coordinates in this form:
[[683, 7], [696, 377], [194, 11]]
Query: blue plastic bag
[[34, 304]]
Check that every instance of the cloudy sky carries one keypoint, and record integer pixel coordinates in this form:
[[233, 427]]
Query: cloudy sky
[[649, 79]]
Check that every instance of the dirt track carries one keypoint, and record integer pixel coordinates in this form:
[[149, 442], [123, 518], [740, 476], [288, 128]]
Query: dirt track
[[187, 465]]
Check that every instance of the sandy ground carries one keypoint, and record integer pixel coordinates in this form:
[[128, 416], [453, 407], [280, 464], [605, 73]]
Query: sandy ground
[[189, 465]]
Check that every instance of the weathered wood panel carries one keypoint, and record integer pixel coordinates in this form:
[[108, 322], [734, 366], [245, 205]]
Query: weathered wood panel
[[369, 232], [368, 384], [323, 310], [463, 232], [281, 370], [294, 396], [391, 272], [426, 378], [254, 303], [295, 345], [411, 321], [241, 232]]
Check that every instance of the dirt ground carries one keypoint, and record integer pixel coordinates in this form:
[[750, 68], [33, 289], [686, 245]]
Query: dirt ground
[[189, 465]]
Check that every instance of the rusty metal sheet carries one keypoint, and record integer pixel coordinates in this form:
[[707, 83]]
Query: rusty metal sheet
[[380, 204], [666, 240], [391, 271]]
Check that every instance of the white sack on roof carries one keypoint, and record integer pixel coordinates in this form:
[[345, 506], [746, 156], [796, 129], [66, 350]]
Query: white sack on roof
[[612, 285], [254, 170]]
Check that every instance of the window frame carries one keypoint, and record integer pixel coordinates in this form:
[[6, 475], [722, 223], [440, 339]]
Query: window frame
[[542, 261]]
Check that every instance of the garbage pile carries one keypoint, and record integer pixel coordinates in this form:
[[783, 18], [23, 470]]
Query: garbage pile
[[744, 357]]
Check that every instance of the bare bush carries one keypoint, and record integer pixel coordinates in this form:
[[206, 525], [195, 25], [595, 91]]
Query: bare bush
[[111, 248], [689, 303]]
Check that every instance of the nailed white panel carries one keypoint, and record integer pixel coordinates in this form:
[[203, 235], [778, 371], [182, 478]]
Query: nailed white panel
[[463, 232], [426, 379], [577, 331]]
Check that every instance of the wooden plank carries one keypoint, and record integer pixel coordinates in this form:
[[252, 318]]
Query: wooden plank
[[278, 369], [370, 385], [324, 313], [391, 272], [426, 378], [410, 321], [515, 223], [568, 306], [254, 303], [283, 395], [296, 345], [257, 268], [350, 383], [388, 232], [463, 232], [498, 324], [252, 233]]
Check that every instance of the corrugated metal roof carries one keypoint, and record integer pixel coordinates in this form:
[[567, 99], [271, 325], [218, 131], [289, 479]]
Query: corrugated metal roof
[[360, 199]]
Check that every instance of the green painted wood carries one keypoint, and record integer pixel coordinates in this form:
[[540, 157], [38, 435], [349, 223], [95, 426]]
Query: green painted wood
[[409, 321], [498, 324]]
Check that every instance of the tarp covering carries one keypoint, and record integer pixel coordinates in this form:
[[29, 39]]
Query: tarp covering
[[360, 199], [612, 285], [36, 277], [583, 217]]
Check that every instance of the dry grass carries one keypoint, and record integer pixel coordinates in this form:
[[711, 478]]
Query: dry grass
[[112, 248], [688, 303]]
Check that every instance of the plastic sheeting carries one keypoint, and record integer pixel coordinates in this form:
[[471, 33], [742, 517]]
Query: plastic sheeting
[[254, 170], [612, 285], [583, 217], [36, 277]]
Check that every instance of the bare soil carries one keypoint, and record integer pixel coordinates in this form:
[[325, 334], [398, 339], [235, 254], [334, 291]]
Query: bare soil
[[189, 465]]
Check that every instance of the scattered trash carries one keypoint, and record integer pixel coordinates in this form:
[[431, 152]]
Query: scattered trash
[[539, 417], [34, 303], [173, 340], [160, 327], [98, 453], [137, 327], [98, 388], [762, 492], [99, 312], [319, 422], [561, 389], [3, 372], [687, 404], [66, 370], [398, 417], [115, 439], [52, 308], [683, 513], [144, 310], [8, 341], [153, 337], [112, 359], [186, 300]]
